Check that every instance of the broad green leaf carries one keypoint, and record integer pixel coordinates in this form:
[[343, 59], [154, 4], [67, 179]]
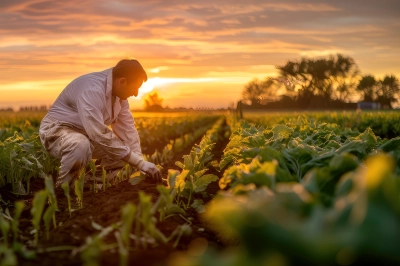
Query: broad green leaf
[[198, 205], [202, 182], [172, 176], [199, 173], [188, 162]]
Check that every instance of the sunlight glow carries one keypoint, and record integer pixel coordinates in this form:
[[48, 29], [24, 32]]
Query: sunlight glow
[[157, 82]]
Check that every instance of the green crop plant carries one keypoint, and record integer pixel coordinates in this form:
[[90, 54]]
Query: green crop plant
[[165, 205], [38, 205], [65, 188], [49, 215], [94, 246], [363, 196], [122, 250], [7, 254], [193, 178], [5, 228], [52, 197], [79, 187], [127, 218], [19, 206], [93, 169], [21, 159], [104, 178]]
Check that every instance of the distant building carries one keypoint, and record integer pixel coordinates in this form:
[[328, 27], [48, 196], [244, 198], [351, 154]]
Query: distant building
[[368, 106]]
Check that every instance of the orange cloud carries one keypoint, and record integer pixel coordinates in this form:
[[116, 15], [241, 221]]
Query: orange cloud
[[46, 44]]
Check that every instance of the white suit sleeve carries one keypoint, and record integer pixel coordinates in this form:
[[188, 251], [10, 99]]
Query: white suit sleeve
[[125, 129], [90, 104]]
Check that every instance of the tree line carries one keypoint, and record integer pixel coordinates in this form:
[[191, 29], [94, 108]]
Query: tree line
[[332, 82]]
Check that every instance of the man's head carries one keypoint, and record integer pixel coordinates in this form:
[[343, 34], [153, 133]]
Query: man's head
[[128, 76]]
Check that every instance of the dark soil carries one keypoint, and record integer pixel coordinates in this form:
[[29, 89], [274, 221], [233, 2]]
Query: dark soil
[[104, 208]]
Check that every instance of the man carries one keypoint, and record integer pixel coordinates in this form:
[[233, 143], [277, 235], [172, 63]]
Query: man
[[76, 128]]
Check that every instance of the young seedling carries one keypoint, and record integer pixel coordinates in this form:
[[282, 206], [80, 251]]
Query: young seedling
[[5, 228], [103, 178], [79, 187], [37, 209], [127, 217], [48, 214], [19, 206], [122, 250], [52, 197], [65, 187], [93, 169]]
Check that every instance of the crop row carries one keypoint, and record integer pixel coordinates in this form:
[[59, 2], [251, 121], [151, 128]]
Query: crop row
[[383, 124], [306, 193], [22, 156]]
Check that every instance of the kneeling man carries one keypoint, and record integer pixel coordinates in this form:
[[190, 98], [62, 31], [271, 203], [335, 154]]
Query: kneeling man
[[77, 126]]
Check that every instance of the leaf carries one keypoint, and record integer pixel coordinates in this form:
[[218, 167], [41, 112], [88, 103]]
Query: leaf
[[391, 145], [172, 174], [215, 164], [37, 207], [136, 178], [202, 183], [188, 162], [200, 173], [198, 205], [179, 164], [48, 214], [281, 131], [181, 180], [174, 209], [128, 215], [50, 188]]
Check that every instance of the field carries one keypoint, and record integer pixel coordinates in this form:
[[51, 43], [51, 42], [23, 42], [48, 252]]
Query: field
[[271, 189]]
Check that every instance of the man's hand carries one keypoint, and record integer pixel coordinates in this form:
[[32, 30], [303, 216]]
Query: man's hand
[[152, 170], [147, 167]]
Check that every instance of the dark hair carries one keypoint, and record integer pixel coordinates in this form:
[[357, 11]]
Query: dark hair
[[130, 69]]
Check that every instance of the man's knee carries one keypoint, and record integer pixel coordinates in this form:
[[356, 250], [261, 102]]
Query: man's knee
[[79, 150]]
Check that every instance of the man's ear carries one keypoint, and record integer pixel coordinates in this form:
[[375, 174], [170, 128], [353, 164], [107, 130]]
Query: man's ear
[[122, 81]]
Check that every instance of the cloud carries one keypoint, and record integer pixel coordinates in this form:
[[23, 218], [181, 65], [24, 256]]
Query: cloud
[[59, 40]]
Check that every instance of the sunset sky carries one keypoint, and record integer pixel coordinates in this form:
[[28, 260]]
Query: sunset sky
[[196, 53]]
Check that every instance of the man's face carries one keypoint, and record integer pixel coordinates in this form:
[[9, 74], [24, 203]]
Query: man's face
[[124, 89]]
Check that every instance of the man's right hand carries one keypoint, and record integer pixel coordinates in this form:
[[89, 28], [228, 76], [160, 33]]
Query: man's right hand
[[147, 167], [152, 170]]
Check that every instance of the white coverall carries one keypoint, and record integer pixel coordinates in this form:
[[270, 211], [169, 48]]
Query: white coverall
[[75, 130]]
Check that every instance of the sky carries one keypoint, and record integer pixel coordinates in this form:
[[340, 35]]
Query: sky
[[197, 54]]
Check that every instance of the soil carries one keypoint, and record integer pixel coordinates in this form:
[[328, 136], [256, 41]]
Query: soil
[[104, 208]]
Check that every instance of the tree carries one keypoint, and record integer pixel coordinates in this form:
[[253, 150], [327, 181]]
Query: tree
[[367, 86], [332, 78], [388, 91], [153, 102], [256, 92]]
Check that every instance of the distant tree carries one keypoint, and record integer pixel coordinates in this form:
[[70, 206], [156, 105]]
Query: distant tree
[[367, 87], [256, 92], [153, 102], [332, 78], [388, 91]]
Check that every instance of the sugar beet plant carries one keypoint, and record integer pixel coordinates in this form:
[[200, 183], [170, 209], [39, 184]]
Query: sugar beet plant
[[175, 146], [193, 179], [385, 124]]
